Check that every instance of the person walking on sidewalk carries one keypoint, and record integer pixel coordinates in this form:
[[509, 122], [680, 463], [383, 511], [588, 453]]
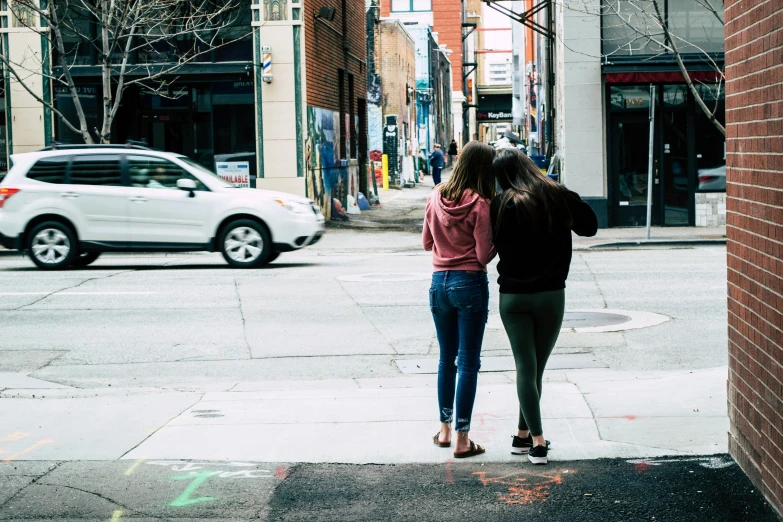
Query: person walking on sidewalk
[[436, 162], [458, 231], [532, 220], [453, 151]]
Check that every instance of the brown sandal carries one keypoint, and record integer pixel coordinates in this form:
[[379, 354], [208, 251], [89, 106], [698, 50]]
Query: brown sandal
[[438, 443], [475, 449]]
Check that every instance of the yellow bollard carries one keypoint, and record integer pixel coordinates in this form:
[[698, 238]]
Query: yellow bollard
[[385, 171]]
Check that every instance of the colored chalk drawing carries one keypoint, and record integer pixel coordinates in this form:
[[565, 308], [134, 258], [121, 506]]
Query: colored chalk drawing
[[17, 437], [194, 469], [520, 491], [184, 499]]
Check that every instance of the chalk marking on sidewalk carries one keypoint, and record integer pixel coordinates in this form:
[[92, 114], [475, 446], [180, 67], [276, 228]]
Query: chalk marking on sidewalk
[[28, 449], [448, 476], [519, 491], [15, 436], [116, 515], [184, 499], [135, 465]]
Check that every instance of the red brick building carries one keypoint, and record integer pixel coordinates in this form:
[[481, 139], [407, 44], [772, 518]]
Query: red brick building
[[336, 99], [754, 117], [445, 17]]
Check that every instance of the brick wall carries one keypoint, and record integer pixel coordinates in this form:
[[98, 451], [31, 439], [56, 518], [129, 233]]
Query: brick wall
[[754, 117], [324, 54], [447, 16], [396, 61]]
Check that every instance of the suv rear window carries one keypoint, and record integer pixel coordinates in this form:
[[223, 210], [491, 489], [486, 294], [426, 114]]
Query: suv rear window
[[49, 170], [96, 169]]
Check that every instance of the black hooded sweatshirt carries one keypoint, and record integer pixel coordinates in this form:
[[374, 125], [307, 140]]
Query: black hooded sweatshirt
[[533, 259]]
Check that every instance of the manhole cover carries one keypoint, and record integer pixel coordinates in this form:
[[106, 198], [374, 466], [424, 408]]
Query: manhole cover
[[589, 319], [599, 321]]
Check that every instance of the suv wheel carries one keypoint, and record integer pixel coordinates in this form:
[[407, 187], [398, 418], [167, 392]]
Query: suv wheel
[[245, 244], [86, 258], [52, 245]]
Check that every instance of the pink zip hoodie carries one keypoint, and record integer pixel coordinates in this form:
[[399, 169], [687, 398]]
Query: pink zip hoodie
[[459, 234]]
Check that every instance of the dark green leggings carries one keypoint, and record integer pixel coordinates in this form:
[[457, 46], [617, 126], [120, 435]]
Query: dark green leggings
[[532, 322]]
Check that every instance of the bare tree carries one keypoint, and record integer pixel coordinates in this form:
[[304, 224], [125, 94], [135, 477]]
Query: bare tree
[[642, 27], [134, 42]]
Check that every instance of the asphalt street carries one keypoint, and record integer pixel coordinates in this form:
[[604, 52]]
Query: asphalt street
[[678, 490]]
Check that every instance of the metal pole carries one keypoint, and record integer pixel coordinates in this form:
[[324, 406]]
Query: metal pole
[[650, 159]]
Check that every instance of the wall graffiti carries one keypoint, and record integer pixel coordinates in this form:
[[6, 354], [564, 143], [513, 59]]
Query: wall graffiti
[[327, 176]]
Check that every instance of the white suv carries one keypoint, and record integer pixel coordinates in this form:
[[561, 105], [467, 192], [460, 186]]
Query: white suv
[[67, 205]]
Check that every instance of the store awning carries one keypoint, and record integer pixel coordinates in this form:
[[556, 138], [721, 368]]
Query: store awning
[[660, 77]]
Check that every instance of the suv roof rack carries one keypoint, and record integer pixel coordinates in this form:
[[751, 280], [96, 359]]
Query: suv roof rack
[[138, 145]]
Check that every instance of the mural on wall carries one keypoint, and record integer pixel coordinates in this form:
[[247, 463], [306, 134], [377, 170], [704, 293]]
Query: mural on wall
[[374, 129], [391, 147], [327, 176]]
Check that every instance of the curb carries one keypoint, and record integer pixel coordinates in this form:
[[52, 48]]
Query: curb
[[653, 242]]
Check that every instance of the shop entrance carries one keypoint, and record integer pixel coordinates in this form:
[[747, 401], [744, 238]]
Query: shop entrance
[[676, 152]]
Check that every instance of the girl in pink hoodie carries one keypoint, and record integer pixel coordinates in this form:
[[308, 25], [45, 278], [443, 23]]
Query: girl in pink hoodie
[[458, 231]]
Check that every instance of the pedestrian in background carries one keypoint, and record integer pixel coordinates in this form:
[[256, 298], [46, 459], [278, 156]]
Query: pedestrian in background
[[532, 220], [453, 151], [458, 231], [436, 162]]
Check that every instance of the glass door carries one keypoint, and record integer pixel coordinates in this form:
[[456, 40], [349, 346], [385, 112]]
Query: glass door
[[676, 192]]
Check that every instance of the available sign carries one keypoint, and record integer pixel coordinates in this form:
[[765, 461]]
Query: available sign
[[235, 172]]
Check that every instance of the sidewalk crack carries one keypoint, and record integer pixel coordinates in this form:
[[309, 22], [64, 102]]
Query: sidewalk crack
[[244, 323], [595, 280]]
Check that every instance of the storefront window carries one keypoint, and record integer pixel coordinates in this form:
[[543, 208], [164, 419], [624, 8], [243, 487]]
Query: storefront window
[[696, 25], [675, 95], [710, 142], [632, 28], [630, 98]]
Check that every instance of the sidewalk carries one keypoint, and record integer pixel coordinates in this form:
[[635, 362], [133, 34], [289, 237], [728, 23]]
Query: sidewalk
[[588, 414], [403, 210]]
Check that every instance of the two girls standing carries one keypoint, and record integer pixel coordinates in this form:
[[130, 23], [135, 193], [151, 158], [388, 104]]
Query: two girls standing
[[529, 226]]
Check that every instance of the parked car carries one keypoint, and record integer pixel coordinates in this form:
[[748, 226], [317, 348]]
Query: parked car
[[67, 205], [713, 179]]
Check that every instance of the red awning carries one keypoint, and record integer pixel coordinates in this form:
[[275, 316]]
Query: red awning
[[661, 77]]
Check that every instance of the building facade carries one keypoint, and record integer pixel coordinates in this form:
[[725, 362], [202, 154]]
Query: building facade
[[607, 73], [396, 59], [298, 124], [444, 18], [433, 91], [754, 108]]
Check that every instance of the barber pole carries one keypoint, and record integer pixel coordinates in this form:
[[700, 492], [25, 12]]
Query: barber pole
[[267, 64]]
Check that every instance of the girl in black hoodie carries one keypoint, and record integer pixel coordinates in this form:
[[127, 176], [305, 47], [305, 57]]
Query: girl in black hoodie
[[532, 220]]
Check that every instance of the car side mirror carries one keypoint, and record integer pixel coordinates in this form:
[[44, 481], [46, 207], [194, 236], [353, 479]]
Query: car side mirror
[[187, 184]]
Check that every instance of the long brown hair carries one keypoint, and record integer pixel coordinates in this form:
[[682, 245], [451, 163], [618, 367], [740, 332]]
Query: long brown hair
[[540, 199], [473, 171]]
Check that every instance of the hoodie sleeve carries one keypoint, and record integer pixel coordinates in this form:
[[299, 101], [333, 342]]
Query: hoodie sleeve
[[482, 233], [585, 220], [426, 235]]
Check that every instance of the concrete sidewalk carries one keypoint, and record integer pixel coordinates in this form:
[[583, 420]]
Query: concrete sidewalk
[[588, 414]]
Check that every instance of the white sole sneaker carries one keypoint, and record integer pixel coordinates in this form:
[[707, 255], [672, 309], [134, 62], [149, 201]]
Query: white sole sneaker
[[537, 460], [519, 451]]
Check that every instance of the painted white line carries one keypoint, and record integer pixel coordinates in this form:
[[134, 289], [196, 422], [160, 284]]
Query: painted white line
[[392, 277], [74, 293]]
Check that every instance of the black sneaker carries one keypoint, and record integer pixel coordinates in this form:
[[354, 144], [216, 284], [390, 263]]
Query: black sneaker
[[520, 446], [537, 455]]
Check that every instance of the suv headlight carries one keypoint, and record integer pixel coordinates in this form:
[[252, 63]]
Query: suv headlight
[[298, 207]]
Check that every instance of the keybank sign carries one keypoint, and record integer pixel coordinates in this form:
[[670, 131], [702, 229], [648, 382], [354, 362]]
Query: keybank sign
[[493, 115], [494, 107]]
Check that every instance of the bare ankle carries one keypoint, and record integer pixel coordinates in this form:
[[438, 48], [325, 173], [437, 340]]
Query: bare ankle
[[539, 440], [523, 434]]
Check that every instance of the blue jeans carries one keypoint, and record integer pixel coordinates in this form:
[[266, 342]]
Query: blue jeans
[[436, 175], [459, 302]]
